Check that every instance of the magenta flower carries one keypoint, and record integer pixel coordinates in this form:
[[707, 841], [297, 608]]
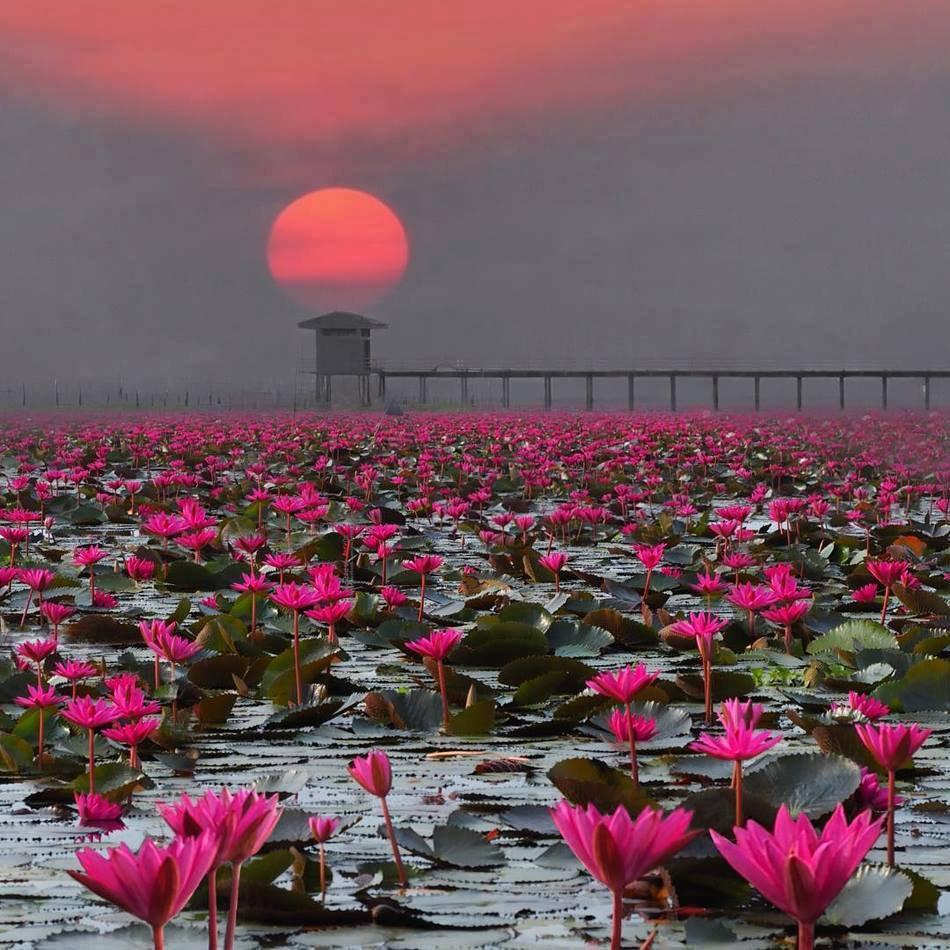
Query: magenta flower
[[133, 734], [88, 558], [374, 773], [630, 728], [295, 598], [865, 594], [423, 565], [154, 883], [331, 614], [618, 849], [140, 568], [237, 827], [742, 711], [56, 613], [75, 671], [888, 573], [42, 698], [623, 685], [322, 830], [554, 562], [861, 705], [797, 869], [90, 714], [98, 811], [787, 615], [741, 741], [751, 598], [892, 747], [704, 627], [438, 645], [708, 584], [255, 585], [36, 651]]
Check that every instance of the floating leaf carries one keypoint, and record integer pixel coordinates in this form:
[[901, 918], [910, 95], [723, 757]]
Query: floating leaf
[[873, 893], [100, 628], [463, 848], [593, 782], [475, 720], [305, 715], [852, 636], [415, 709], [624, 630], [316, 656], [571, 637], [498, 645], [812, 783]]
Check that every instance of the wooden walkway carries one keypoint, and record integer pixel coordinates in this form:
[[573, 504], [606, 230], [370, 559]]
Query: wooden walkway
[[674, 375]]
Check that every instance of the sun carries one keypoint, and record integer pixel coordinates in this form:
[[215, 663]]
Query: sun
[[337, 249]]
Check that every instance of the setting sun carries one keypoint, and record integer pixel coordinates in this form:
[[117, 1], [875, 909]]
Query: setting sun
[[337, 248]]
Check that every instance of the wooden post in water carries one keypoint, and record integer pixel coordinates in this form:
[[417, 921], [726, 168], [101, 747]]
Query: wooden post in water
[[798, 393], [631, 391], [505, 391], [755, 386], [883, 391], [422, 389], [589, 392], [841, 391], [927, 392], [672, 392], [547, 391], [715, 389]]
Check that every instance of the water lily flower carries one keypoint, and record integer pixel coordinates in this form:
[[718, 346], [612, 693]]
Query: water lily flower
[[704, 627], [892, 746], [322, 830], [90, 714], [154, 883], [796, 868], [618, 849], [438, 645], [423, 565], [235, 827], [374, 773]]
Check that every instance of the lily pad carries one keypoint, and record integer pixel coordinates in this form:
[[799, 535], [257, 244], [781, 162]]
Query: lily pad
[[811, 783]]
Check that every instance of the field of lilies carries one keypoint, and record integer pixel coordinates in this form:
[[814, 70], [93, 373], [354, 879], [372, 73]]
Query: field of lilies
[[475, 681]]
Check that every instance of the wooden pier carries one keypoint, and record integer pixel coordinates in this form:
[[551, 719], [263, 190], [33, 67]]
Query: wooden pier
[[672, 375]]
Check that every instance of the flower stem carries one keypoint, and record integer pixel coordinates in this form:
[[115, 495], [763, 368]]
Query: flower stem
[[92, 761], [158, 936], [422, 596], [617, 931], [806, 936], [737, 785], [634, 771], [445, 696], [323, 872], [213, 909], [297, 677], [400, 870], [891, 797], [887, 594], [707, 684], [233, 908]]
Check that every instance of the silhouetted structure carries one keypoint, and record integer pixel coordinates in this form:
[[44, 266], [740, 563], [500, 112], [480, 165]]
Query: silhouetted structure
[[342, 348]]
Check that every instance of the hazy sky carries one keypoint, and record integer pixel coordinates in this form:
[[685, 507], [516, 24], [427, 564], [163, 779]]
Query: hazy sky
[[624, 183]]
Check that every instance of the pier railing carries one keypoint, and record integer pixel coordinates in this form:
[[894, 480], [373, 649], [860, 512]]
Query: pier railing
[[548, 376]]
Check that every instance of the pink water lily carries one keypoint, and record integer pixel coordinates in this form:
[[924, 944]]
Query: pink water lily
[[797, 868], [153, 883], [618, 849]]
